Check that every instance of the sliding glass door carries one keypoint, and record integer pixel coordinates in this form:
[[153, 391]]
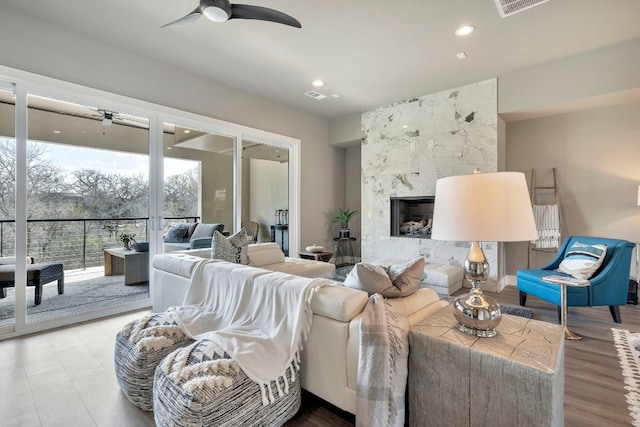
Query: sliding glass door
[[198, 186], [265, 192], [7, 208], [87, 208], [92, 183]]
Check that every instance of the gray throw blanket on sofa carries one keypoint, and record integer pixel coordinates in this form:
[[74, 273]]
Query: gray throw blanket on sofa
[[382, 368]]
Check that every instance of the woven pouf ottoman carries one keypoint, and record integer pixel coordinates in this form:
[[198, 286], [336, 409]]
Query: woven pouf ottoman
[[200, 385], [140, 346]]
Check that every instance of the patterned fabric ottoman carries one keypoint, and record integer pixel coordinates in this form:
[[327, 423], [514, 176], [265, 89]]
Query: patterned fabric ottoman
[[140, 347], [200, 385]]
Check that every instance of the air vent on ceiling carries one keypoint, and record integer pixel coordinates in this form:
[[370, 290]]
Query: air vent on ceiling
[[315, 95], [509, 7]]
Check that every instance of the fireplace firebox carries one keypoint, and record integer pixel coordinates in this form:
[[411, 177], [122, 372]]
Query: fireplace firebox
[[412, 216]]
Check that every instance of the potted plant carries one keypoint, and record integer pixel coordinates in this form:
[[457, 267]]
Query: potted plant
[[343, 216], [126, 240]]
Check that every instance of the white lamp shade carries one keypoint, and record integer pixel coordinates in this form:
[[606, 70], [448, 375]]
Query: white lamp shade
[[483, 207]]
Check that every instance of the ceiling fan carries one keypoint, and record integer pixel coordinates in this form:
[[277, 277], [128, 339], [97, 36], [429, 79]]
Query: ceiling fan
[[110, 117], [223, 10]]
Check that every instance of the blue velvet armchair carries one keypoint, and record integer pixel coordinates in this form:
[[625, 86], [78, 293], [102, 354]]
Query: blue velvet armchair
[[608, 285]]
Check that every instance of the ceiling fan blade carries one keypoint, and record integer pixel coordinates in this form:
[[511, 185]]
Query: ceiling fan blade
[[245, 11], [187, 19]]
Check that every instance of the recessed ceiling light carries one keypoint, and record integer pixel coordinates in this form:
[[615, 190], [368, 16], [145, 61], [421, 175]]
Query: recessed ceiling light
[[405, 126], [56, 131], [186, 131], [465, 30], [461, 55], [335, 95], [318, 83]]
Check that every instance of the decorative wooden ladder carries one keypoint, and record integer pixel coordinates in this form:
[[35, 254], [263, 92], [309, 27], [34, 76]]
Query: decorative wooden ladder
[[538, 192]]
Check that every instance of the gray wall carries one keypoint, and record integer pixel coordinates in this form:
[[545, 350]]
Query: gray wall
[[597, 154], [353, 183], [48, 50]]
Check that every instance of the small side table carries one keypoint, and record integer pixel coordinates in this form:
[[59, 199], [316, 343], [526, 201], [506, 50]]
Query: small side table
[[282, 229], [134, 265], [344, 251], [565, 281], [514, 379], [317, 256]]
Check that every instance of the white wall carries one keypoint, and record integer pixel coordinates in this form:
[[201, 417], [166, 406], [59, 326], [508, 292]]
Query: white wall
[[43, 48], [269, 183]]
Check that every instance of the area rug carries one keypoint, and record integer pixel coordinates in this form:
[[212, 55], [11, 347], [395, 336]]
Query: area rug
[[516, 311], [85, 295], [628, 346]]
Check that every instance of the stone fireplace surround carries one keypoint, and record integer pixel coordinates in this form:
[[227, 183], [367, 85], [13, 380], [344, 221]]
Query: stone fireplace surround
[[406, 147]]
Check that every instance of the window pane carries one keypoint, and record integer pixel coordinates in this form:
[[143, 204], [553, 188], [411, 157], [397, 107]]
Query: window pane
[[87, 190], [265, 200], [198, 186]]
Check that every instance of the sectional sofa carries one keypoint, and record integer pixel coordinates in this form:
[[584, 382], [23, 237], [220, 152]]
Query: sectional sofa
[[330, 357]]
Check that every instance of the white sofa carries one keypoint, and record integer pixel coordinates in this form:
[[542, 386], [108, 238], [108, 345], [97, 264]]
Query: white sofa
[[171, 271], [330, 357]]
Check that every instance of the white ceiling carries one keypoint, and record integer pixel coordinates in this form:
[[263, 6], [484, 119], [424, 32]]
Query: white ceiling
[[370, 52]]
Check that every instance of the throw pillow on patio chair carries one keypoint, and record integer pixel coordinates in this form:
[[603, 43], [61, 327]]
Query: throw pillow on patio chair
[[608, 285]]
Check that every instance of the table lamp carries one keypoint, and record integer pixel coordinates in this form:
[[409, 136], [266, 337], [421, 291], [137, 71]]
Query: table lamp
[[481, 207]]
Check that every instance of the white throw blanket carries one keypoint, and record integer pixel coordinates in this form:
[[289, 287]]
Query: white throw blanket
[[547, 218], [258, 317], [383, 365]]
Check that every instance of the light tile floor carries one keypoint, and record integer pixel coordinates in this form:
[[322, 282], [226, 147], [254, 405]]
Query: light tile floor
[[66, 377]]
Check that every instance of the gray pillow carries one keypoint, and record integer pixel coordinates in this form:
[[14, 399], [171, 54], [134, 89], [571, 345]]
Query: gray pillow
[[206, 230], [177, 233], [391, 282], [232, 248], [407, 277]]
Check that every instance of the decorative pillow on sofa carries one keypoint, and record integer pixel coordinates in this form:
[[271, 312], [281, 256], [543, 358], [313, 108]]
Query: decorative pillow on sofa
[[391, 282], [177, 233], [582, 260], [232, 248], [206, 230]]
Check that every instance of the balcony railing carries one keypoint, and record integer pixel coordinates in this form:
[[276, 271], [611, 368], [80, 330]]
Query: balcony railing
[[77, 243]]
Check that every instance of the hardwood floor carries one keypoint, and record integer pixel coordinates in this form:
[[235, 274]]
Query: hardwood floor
[[594, 386], [66, 378]]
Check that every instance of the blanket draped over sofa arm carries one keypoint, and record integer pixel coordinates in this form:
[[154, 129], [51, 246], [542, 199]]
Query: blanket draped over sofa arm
[[382, 365], [258, 317]]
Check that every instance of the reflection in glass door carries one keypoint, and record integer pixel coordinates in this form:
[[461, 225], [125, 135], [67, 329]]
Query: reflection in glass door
[[265, 192], [7, 210], [87, 208], [198, 187]]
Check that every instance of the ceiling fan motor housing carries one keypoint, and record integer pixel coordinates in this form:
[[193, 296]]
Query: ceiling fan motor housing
[[216, 10]]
